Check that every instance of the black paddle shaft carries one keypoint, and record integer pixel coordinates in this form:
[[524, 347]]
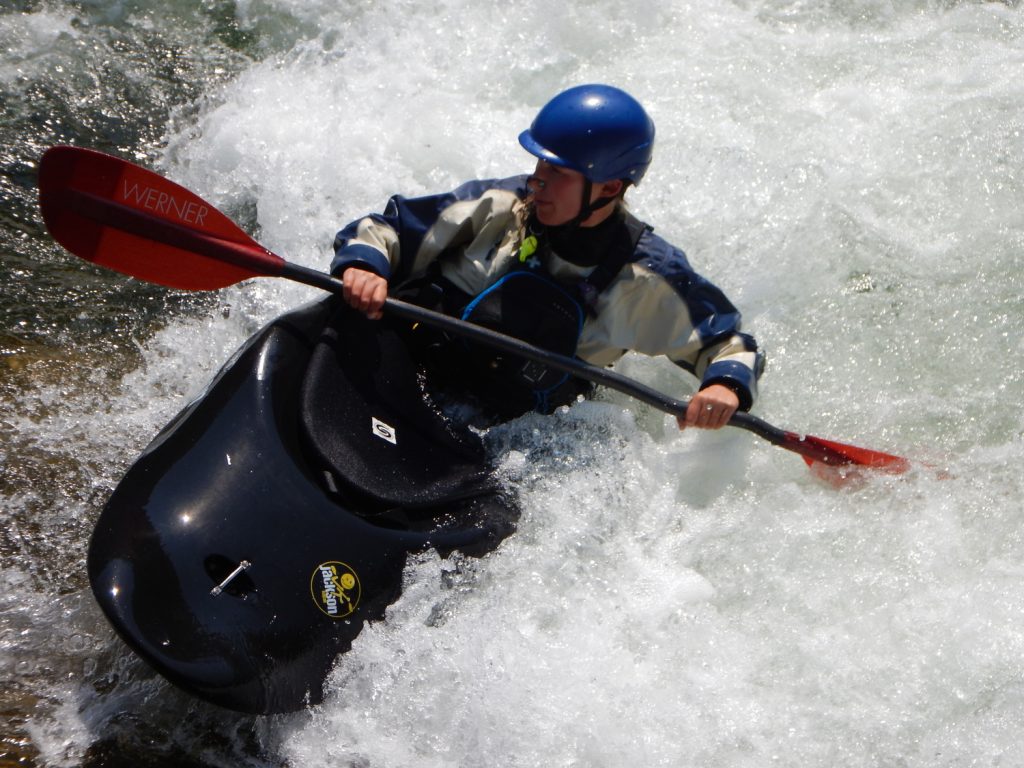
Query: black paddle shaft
[[83, 188]]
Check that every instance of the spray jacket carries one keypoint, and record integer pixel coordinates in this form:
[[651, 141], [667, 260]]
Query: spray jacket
[[655, 303]]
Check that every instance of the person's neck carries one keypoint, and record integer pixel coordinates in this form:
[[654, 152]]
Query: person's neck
[[585, 246], [600, 216]]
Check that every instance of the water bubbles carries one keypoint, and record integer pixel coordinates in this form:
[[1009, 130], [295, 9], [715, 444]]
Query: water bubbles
[[844, 170]]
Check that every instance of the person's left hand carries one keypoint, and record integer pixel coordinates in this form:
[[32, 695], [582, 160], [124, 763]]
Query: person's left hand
[[710, 408]]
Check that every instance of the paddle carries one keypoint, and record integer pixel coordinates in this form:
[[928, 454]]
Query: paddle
[[118, 215]]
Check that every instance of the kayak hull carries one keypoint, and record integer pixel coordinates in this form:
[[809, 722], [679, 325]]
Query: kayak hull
[[225, 561]]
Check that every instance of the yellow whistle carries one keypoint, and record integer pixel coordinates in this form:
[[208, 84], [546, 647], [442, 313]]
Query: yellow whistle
[[528, 248]]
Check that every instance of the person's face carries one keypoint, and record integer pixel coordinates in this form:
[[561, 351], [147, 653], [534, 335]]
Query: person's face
[[558, 194]]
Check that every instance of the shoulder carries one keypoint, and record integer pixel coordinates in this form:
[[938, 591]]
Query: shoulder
[[657, 255], [655, 264], [470, 190], [660, 262], [483, 201], [660, 269], [420, 213], [473, 199]]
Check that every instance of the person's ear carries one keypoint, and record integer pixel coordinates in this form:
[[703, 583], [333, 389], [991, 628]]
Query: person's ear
[[611, 188]]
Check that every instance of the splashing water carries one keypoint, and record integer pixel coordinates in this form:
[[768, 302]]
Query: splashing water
[[850, 173]]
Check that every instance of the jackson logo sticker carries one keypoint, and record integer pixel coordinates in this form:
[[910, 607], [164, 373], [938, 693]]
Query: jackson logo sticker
[[335, 589], [383, 431]]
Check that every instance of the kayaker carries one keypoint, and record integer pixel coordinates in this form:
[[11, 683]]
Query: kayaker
[[555, 258]]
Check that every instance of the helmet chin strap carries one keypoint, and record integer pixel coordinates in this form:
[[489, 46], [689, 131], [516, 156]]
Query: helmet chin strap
[[587, 208]]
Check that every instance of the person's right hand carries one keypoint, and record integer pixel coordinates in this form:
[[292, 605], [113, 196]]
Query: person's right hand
[[365, 291]]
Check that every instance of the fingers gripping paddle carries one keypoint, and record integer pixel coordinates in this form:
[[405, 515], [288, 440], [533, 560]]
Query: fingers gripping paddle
[[123, 217]]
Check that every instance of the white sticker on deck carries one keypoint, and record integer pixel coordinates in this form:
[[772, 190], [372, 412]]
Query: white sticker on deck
[[383, 431]]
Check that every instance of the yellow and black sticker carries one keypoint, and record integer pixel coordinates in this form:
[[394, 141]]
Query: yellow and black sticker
[[335, 589]]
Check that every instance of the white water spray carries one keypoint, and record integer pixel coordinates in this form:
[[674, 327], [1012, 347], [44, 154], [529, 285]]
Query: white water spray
[[851, 176]]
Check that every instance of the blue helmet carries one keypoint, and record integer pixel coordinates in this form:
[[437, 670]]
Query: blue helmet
[[598, 130]]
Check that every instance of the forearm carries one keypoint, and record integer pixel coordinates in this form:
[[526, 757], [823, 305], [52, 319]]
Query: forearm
[[371, 244], [736, 365]]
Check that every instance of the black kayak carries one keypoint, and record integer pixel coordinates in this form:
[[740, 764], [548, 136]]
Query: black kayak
[[272, 518]]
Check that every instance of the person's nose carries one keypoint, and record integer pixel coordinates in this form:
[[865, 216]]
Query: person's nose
[[539, 179]]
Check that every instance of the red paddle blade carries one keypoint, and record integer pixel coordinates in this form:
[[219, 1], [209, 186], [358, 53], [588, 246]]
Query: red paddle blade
[[839, 454], [839, 464], [123, 217]]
